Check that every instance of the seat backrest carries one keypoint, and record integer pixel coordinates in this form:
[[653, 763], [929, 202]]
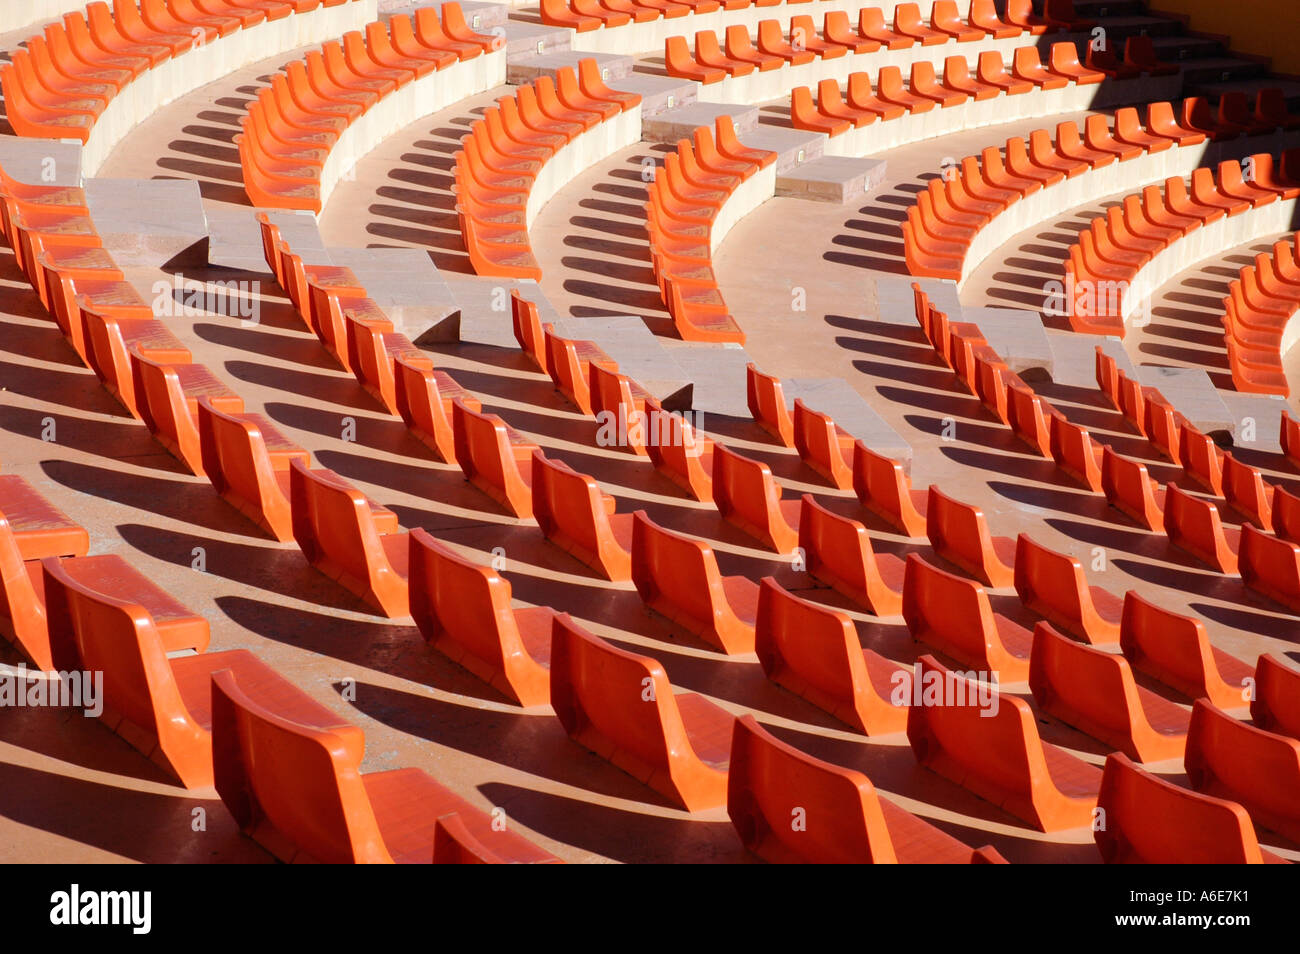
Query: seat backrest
[[770, 784], [304, 779], [1276, 702], [455, 598], [1150, 820], [818, 644], [117, 638], [621, 697], [677, 567]]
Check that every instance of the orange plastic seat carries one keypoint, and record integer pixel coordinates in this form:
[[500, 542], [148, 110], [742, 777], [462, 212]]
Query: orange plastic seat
[[1151, 821], [568, 363], [843, 821], [577, 517], [113, 623], [1130, 491], [1054, 586], [622, 707], [883, 488], [677, 576], [1194, 525], [1271, 566], [1257, 769], [814, 652], [766, 403], [39, 529], [838, 552], [1176, 650], [959, 533], [678, 452], [1076, 453], [247, 460], [108, 345], [748, 496], [527, 324], [823, 446], [954, 615], [999, 755], [349, 539], [494, 458], [1246, 491], [464, 611], [424, 397], [1094, 691], [289, 771], [1275, 704], [619, 404], [167, 398]]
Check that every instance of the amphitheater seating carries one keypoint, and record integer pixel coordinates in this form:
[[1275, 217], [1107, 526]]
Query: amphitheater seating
[[622, 707], [998, 755], [349, 538], [954, 615], [1094, 691], [788, 807], [703, 190], [464, 611], [1151, 821], [1176, 650], [522, 151], [303, 134], [678, 577], [577, 517], [100, 72], [1054, 586], [731, 69], [838, 553], [951, 229], [288, 770], [1258, 770], [1134, 254], [1257, 314], [814, 652], [870, 117]]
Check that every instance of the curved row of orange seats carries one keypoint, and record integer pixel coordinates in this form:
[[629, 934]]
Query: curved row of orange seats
[[1115, 246], [293, 125], [946, 217], [685, 198], [835, 112], [1261, 302], [499, 161]]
